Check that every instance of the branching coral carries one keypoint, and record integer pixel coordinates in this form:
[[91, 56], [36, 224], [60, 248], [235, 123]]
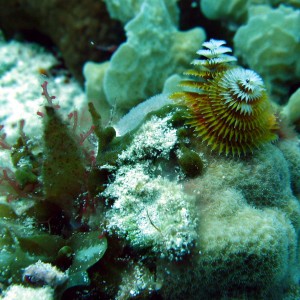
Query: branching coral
[[227, 105]]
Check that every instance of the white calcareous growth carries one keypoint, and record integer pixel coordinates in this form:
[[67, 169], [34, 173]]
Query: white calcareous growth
[[150, 210], [20, 81], [42, 273], [21, 292], [155, 139]]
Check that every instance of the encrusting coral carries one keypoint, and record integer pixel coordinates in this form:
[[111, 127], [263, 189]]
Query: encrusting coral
[[266, 38], [155, 49], [235, 12], [269, 44], [227, 105], [128, 9]]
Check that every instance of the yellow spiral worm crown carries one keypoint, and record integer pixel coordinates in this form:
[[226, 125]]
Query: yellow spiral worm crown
[[227, 105]]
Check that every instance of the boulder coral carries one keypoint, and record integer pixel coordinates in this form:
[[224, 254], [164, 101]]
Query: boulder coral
[[241, 222], [246, 245]]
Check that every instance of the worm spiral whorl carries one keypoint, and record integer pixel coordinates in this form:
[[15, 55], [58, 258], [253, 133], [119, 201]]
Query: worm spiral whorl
[[227, 105]]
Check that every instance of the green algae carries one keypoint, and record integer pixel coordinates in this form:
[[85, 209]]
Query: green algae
[[190, 162], [88, 248], [22, 244], [63, 169]]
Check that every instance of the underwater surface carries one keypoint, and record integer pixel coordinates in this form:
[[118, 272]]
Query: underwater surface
[[149, 149]]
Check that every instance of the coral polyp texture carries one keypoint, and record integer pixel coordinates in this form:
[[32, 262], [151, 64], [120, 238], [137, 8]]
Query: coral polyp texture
[[228, 106]]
